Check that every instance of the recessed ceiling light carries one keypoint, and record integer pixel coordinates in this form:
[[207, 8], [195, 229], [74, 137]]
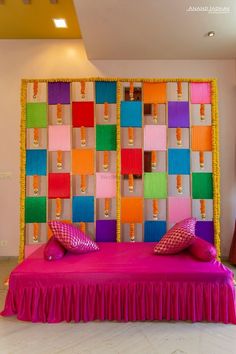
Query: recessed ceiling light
[[60, 23], [211, 34]]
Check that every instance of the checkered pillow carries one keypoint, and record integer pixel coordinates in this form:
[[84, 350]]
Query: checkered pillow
[[177, 238], [72, 238]]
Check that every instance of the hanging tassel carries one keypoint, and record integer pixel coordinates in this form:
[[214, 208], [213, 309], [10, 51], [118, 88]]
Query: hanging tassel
[[131, 91], [179, 136], [82, 89], [36, 184], [154, 159], [155, 112], [82, 136], [131, 182], [131, 136], [202, 111], [59, 113], [106, 111], [201, 159], [36, 232], [105, 160], [35, 88], [155, 210], [179, 183], [179, 90], [36, 137], [203, 208], [59, 159], [83, 186], [82, 227], [106, 207], [131, 232], [58, 208]]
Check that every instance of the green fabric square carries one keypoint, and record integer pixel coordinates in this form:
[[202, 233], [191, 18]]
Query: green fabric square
[[36, 115], [202, 185], [105, 137], [35, 209], [155, 185]]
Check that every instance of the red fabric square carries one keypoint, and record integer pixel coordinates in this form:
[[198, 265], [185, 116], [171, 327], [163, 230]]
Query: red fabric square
[[83, 114], [131, 161], [58, 185]]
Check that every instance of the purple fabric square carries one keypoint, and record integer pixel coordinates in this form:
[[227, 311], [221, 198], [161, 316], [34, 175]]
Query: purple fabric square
[[205, 230], [58, 92], [106, 231], [178, 114]]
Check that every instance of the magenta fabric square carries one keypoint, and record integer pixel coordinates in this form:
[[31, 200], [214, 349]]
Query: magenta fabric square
[[58, 92], [178, 114], [200, 92], [179, 208], [106, 231]]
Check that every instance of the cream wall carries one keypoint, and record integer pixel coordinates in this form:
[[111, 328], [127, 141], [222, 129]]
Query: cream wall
[[67, 58]]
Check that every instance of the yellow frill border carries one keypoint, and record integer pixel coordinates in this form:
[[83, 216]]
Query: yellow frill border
[[215, 148]]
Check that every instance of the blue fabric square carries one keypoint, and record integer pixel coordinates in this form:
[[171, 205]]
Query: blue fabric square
[[36, 162], [131, 114], [179, 161], [105, 91], [154, 230], [83, 209]]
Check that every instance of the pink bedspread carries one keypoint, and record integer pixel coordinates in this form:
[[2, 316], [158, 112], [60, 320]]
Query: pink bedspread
[[124, 282]]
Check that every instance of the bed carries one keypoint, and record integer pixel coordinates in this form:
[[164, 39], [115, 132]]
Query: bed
[[122, 282]]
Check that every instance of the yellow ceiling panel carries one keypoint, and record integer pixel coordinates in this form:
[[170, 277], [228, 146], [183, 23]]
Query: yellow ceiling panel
[[35, 20]]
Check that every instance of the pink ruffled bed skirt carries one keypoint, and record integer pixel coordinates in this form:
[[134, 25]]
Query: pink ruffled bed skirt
[[131, 301]]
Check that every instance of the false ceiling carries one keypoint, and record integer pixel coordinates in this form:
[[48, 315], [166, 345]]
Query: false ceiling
[[21, 19], [158, 29]]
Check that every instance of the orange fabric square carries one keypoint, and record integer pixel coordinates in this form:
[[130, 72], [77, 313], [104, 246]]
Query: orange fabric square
[[154, 92], [50, 233], [201, 138], [82, 161], [131, 209]]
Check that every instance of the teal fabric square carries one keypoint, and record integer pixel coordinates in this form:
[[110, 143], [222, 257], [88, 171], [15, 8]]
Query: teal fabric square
[[154, 230], [36, 162], [105, 91], [131, 114], [179, 161], [83, 209]]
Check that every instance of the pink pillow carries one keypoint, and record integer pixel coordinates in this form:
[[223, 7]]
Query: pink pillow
[[202, 250], [72, 238], [179, 237], [53, 250]]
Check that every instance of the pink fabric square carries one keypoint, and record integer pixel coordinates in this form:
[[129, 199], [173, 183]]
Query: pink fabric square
[[200, 92], [72, 238], [105, 185], [202, 250], [179, 237], [29, 249], [59, 138], [155, 137], [179, 208]]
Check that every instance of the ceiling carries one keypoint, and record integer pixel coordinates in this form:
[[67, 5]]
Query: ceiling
[[129, 29], [157, 29], [34, 20]]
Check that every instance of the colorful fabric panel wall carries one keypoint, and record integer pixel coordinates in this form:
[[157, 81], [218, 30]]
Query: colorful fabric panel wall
[[122, 159]]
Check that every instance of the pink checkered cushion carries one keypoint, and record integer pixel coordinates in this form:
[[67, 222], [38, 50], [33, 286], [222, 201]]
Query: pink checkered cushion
[[72, 238], [179, 237]]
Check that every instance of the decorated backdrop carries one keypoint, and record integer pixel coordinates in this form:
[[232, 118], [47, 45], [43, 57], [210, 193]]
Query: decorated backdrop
[[123, 159]]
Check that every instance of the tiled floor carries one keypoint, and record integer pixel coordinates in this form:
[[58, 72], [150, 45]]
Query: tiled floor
[[18, 337]]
